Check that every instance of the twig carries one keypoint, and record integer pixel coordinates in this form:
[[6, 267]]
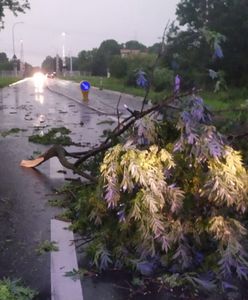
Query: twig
[[84, 243], [161, 50], [237, 137], [72, 194], [117, 110]]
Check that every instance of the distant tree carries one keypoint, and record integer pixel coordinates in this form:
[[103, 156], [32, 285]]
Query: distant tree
[[14, 6], [49, 64], [162, 79], [99, 65], [3, 58], [85, 59], [155, 48], [135, 45], [228, 17], [5, 64], [143, 61], [108, 49], [103, 56], [118, 67], [189, 55], [75, 63]]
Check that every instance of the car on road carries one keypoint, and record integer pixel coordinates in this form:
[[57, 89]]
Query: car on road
[[51, 75]]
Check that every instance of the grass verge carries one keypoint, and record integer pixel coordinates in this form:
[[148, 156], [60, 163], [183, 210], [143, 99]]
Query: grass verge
[[223, 100], [117, 85], [5, 81]]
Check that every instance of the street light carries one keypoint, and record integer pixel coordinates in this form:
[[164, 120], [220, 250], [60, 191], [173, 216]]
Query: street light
[[13, 41], [63, 52], [13, 36], [22, 63]]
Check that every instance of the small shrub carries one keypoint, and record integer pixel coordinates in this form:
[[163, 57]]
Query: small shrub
[[163, 79], [47, 246], [14, 290]]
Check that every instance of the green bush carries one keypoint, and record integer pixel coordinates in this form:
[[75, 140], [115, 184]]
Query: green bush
[[14, 290], [118, 67], [163, 79]]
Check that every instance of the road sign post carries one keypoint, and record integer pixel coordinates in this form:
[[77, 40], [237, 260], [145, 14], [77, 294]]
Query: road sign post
[[85, 88]]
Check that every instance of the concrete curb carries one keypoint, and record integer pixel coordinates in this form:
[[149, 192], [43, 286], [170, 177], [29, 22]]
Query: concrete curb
[[62, 261]]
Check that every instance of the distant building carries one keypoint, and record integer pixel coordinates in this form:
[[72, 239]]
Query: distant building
[[129, 52]]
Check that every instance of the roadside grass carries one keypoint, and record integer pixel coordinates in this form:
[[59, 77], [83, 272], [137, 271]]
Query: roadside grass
[[221, 101], [5, 81], [229, 109], [118, 85]]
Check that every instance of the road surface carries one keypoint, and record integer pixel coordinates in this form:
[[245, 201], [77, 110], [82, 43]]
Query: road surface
[[25, 213], [24, 193]]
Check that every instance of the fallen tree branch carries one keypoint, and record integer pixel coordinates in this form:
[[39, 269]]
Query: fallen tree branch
[[160, 52], [237, 137], [59, 152]]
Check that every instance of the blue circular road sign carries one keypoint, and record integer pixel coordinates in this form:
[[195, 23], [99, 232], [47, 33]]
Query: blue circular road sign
[[85, 86]]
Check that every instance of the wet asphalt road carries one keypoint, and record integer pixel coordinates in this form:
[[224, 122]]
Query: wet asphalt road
[[103, 100], [24, 193]]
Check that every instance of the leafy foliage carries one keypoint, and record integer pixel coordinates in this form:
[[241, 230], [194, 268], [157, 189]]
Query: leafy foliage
[[47, 246], [118, 67], [225, 17], [174, 205], [11, 131], [14, 290], [162, 79], [15, 6], [53, 136]]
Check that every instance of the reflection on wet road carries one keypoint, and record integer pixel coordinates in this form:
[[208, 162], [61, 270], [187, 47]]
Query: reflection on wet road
[[24, 212]]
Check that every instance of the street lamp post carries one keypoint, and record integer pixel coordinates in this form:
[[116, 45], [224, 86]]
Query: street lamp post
[[63, 54], [14, 52], [22, 63], [70, 63]]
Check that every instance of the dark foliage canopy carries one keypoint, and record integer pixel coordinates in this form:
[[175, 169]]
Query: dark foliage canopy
[[229, 18], [15, 6]]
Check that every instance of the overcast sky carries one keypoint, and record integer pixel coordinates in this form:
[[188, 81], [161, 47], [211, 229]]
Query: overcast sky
[[86, 24]]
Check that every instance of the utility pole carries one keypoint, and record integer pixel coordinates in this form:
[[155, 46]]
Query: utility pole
[[63, 54], [14, 52], [71, 65], [22, 63], [57, 64]]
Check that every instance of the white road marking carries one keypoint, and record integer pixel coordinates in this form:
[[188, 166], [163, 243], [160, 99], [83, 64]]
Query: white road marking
[[62, 261]]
